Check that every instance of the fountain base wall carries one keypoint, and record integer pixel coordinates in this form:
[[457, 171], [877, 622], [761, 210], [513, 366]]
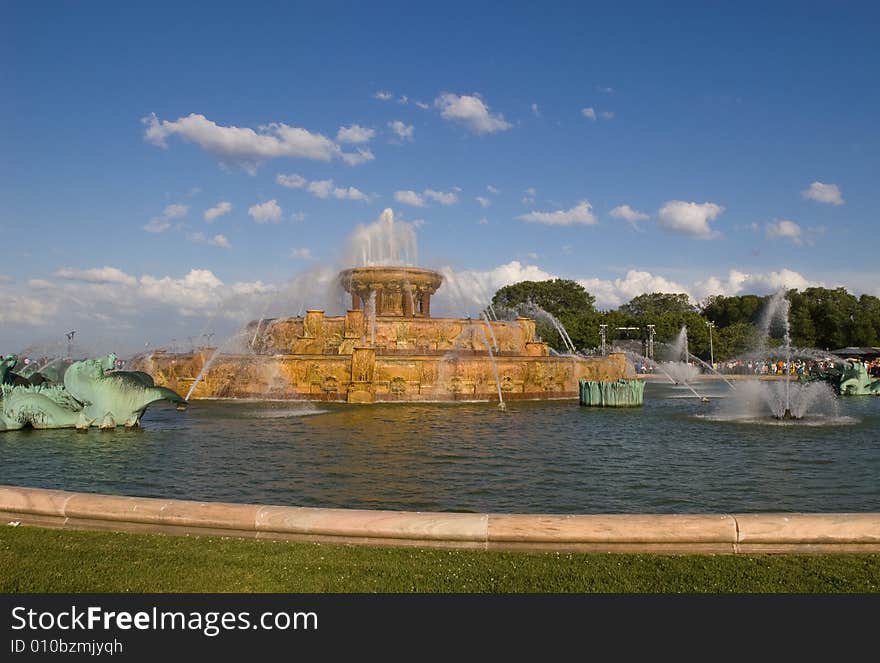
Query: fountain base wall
[[367, 375]]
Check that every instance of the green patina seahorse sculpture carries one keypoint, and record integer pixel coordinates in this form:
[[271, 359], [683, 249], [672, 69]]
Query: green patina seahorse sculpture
[[856, 381], [92, 395], [7, 376], [116, 397]]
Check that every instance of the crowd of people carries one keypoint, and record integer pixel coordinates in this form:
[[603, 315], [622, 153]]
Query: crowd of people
[[796, 367], [776, 367]]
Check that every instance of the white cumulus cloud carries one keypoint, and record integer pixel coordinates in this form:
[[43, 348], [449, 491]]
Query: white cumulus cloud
[[95, 275], [824, 193], [216, 240], [589, 113], [268, 212], [484, 202], [442, 197], [611, 293], [326, 189], [354, 134], [690, 218], [217, 211], [243, 146], [404, 132], [162, 223], [357, 158], [415, 199], [291, 181], [470, 111], [582, 214], [409, 198], [784, 229], [759, 283], [175, 211], [321, 188], [467, 292], [17, 309], [628, 214]]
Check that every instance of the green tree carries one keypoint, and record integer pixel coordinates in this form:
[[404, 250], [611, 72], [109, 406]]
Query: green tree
[[832, 313], [657, 303], [668, 327], [557, 296], [725, 311], [866, 322], [565, 300], [734, 340]]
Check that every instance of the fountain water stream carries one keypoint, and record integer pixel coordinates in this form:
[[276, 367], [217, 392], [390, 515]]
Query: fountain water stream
[[491, 331], [238, 336], [501, 404], [532, 309], [712, 368]]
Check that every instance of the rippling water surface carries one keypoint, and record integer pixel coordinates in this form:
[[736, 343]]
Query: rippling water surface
[[672, 455]]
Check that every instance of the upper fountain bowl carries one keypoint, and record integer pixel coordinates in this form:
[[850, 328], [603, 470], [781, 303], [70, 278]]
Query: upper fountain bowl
[[399, 291]]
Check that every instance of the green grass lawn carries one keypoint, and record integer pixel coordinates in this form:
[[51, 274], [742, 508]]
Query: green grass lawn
[[44, 560]]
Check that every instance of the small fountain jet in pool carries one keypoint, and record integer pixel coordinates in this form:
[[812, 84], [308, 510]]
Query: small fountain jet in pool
[[785, 399]]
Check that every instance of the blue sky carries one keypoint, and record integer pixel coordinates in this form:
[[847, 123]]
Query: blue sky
[[648, 146]]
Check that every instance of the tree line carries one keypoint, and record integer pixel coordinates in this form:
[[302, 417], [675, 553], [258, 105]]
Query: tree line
[[820, 318]]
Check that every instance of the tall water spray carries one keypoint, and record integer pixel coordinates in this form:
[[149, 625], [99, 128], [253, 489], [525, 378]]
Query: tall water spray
[[677, 366], [777, 312], [679, 350], [383, 243]]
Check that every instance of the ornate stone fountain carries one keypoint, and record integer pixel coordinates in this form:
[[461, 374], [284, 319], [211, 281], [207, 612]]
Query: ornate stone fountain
[[386, 347]]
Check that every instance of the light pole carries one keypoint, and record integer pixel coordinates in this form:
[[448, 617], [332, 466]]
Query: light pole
[[710, 325], [70, 336]]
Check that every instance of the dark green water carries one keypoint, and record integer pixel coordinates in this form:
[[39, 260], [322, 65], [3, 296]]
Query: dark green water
[[672, 455]]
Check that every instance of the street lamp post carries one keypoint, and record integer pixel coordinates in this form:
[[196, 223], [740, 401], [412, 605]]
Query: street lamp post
[[710, 325], [70, 336]]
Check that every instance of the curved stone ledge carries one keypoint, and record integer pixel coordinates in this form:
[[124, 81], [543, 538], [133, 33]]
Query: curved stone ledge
[[373, 524], [817, 528], [660, 533], [613, 528], [34, 500]]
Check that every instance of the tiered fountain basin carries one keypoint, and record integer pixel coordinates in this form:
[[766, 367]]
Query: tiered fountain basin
[[387, 347]]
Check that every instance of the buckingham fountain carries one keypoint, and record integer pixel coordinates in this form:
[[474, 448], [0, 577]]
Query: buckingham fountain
[[386, 347]]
